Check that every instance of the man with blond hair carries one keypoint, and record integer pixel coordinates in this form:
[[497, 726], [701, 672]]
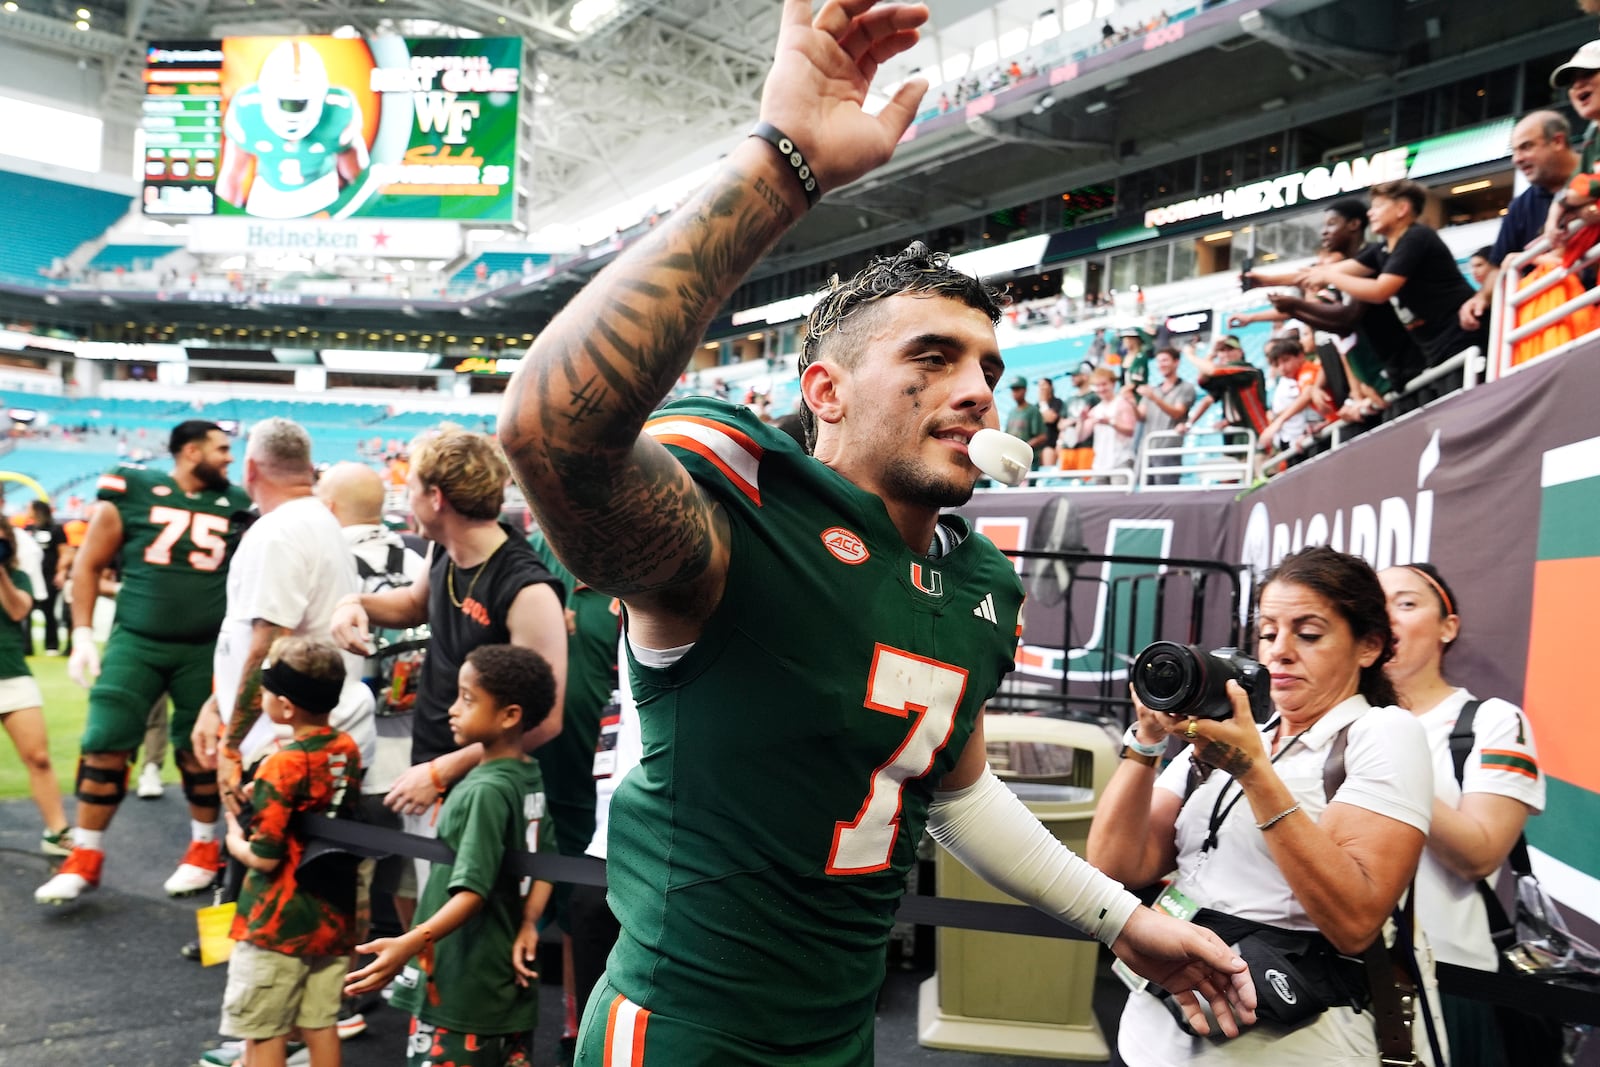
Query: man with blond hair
[[485, 586]]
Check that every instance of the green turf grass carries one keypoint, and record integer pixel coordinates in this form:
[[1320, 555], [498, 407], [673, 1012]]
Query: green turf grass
[[66, 705]]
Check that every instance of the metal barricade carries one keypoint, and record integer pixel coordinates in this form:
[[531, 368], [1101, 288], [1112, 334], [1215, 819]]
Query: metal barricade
[[1504, 335], [1210, 465], [1146, 598]]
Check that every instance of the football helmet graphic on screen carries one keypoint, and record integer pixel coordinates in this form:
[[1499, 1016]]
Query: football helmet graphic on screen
[[294, 86]]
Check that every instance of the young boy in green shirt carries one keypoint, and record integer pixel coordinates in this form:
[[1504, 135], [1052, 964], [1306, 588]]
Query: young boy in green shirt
[[472, 1003]]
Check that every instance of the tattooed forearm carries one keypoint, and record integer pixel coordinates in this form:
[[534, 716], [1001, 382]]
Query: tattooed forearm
[[775, 201], [1229, 758], [620, 511]]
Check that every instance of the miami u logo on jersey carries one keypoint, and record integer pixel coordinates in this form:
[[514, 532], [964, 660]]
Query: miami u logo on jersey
[[927, 579]]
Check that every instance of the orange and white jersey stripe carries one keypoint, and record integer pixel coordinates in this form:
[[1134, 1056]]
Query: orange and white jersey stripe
[[113, 482], [729, 450], [625, 1029]]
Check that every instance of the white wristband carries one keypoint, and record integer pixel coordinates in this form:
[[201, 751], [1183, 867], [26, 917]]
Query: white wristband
[[987, 828], [1131, 739], [82, 633]]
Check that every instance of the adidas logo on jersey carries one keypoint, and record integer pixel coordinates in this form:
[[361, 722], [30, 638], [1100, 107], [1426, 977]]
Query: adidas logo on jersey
[[985, 609]]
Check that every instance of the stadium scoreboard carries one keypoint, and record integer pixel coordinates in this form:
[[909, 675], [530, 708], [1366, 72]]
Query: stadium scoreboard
[[305, 127]]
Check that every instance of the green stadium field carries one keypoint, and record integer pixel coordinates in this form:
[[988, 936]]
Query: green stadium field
[[65, 708]]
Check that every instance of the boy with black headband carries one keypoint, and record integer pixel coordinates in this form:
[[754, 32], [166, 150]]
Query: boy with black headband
[[294, 928], [474, 996]]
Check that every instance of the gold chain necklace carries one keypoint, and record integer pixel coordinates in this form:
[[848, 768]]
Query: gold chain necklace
[[450, 576]]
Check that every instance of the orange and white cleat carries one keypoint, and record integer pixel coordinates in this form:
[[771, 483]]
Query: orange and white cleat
[[198, 870], [79, 873]]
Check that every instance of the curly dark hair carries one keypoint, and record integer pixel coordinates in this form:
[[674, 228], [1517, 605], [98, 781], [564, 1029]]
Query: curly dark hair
[[915, 270], [1349, 584], [512, 674]]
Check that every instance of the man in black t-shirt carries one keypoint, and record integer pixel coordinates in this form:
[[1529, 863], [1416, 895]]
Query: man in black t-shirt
[[1410, 267], [485, 586]]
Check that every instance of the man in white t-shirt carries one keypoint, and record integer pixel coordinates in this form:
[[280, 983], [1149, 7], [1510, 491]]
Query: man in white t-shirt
[[288, 574]]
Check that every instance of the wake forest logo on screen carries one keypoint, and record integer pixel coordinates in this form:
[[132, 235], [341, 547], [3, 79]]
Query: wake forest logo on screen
[[308, 127]]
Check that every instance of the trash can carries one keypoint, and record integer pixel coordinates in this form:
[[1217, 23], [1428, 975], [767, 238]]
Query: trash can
[[1011, 993]]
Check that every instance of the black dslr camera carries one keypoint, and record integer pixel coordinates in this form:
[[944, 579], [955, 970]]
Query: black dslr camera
[[1183, 680]]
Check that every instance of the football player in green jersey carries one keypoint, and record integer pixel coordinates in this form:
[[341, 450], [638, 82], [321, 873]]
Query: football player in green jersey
[[303, 135], [811, 644], [175, 534]]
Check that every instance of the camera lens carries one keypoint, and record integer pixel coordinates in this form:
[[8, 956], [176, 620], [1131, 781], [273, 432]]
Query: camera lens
[[1166, 676], [1163, 676]]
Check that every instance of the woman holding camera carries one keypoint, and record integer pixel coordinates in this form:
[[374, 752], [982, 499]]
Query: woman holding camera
[[1478, 817], [1301, 882], [21, 704]]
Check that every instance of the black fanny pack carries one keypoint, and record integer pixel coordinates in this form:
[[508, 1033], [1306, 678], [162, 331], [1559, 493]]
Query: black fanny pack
[[1298, 974]]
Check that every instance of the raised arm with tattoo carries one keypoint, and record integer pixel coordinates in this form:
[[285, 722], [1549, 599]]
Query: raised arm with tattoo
[[618, 508]]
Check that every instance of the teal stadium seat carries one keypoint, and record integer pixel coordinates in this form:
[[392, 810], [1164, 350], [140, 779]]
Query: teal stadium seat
[[45, 220]]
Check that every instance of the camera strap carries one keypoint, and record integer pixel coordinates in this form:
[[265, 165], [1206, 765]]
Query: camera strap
[[1219, 814]]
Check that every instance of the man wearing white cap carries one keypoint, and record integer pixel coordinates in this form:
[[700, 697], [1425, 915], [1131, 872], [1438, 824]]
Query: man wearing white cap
[[1578, 76]]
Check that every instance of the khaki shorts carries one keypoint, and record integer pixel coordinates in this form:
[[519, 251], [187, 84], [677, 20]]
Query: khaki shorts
[[268, 994], [18, 693]]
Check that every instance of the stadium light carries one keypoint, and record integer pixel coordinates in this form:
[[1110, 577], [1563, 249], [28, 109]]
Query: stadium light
[[82, 24], [590, 14], [11, 6]]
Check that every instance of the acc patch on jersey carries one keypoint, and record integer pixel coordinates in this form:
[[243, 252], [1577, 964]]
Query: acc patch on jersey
[[845, 546]]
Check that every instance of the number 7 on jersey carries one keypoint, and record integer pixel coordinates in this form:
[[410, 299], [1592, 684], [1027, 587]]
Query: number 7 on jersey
[[911, 687]]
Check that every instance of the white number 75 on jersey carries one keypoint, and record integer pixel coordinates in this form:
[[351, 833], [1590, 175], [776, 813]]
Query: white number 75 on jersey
[[928, 693]]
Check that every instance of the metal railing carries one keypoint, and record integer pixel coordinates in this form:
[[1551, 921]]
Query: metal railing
[[1228, 463], [1509, 297], [1470, 361], [1136, 612]]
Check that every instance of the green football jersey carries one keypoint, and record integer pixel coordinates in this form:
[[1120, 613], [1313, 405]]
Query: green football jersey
[[175, 552], [567, 759], [758, 852], [291, 164]]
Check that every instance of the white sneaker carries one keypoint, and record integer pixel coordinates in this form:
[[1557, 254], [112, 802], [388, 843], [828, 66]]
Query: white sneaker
[[150, 782], [231, 1052]]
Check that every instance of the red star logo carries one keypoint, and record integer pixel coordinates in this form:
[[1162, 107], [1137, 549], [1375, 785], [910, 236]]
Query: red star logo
[[380, 239]]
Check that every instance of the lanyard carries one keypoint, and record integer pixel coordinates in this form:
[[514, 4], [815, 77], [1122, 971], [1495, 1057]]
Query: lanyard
[[1219, 814]]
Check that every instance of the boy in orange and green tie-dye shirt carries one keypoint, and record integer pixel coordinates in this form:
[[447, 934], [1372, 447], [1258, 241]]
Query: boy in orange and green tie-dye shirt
[[295, 927]]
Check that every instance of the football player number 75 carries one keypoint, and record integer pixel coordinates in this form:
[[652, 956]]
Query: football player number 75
[[927, 693], [206, 532]]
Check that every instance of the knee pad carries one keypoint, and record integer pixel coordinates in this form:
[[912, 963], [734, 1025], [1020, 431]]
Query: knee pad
[[117, 780], [199, 787]]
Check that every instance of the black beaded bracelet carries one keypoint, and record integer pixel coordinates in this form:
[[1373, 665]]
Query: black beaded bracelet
[[797, 162]]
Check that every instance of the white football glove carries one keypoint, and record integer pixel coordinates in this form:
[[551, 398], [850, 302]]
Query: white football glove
[[84, 666]]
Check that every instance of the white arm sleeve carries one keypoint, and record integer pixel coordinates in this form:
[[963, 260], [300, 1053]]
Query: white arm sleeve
[[989, 829]]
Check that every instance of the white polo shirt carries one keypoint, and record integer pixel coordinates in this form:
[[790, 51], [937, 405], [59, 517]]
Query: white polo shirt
[[1387, 771], [1504, 762]]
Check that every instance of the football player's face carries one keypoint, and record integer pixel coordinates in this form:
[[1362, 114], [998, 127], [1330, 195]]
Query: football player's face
[[922, 384], [216, 455]]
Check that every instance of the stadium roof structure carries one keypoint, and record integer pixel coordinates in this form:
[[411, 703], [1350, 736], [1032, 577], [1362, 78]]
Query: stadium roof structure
[[613, 109]]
